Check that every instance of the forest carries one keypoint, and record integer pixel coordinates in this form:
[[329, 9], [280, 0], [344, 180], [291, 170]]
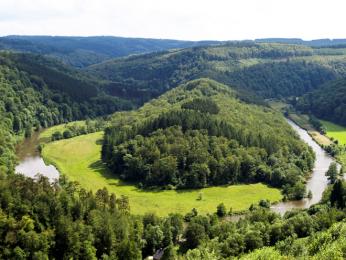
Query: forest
[[63, 221], [193, 133], [29, 101], [268, 70], [195, 144], [327, 102]]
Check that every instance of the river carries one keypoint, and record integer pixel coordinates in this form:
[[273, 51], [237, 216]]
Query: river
[[32, 163], [317, 183]]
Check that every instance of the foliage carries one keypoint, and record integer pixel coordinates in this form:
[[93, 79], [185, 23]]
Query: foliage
[[267, 69], [78, 159], [38, 92], [190, 149], [202, 105], [332, 173], [327, 102]]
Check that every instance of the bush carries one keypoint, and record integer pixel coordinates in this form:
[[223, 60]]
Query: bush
[[221, 210], [67, 134]]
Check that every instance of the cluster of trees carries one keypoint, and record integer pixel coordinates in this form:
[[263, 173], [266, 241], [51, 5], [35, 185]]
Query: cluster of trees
[[44, 221], [189, 145], [203, 105], [327, 102], [76, 129]]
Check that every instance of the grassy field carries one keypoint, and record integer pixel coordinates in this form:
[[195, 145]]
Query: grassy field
[[79, 159], [46, 134], [335, 131]]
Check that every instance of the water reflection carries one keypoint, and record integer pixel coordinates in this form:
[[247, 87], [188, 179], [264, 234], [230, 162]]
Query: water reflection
[[31, 163]]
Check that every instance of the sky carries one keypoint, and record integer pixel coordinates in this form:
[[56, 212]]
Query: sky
[[176, 19]]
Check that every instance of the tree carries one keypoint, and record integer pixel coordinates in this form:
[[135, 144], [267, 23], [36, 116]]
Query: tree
[[67, 134], [332, 173], [194, 234], [221, 210], [153, 236], [338, 194], [56, 136]]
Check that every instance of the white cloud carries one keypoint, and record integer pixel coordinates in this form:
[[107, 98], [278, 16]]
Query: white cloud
[[180, 19]]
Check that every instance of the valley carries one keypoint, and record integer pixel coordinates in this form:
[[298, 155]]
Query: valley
[[179, 145]]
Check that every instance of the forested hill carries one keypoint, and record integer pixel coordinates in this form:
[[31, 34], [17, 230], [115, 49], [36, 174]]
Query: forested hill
[[39, 92], [327, 102], [200, 134], [268, 69], [83, 51]]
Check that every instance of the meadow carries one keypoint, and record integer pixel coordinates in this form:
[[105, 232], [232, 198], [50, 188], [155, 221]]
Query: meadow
[[78, 158], [337, 132]]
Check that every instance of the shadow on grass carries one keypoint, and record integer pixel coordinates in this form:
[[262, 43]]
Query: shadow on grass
[[102, 169], [99, 141]]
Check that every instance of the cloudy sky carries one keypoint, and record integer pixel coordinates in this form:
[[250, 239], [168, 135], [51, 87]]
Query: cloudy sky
[[176, 19]]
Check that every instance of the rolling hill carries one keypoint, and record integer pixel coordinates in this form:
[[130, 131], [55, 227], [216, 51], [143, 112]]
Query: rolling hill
[[199, 134], [266, 69], [83, 51]]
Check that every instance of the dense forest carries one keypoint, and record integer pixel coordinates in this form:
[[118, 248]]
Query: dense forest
[[35, 93], [328, 102], [267, 69], [194, 136], [64, 221]]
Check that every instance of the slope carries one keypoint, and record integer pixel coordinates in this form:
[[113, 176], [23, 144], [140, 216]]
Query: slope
[[327, 102], [38, 92], [268, 69], [200, 134]]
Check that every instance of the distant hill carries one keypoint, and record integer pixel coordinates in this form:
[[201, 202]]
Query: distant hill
[[267, 69], [83, 51], [313, 43], [327, 102]]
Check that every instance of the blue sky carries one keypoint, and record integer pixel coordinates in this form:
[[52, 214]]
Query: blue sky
[[176, 19]]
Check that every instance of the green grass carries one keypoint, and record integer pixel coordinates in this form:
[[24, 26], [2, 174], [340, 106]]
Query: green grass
[[79, 159], [335, 131], [46, 134]]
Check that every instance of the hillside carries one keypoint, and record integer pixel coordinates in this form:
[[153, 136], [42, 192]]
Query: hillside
[[39, 92], [327, 102], [268, 69], [199, 134], [83, 51]]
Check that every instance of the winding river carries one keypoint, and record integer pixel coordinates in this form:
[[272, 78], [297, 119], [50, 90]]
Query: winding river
[[32, 163], [317, 183]]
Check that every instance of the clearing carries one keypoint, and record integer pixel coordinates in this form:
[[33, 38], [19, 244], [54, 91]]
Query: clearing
[[337, 132]]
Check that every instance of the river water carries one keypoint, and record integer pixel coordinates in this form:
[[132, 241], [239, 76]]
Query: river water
[[317, 183], [31, 163]]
